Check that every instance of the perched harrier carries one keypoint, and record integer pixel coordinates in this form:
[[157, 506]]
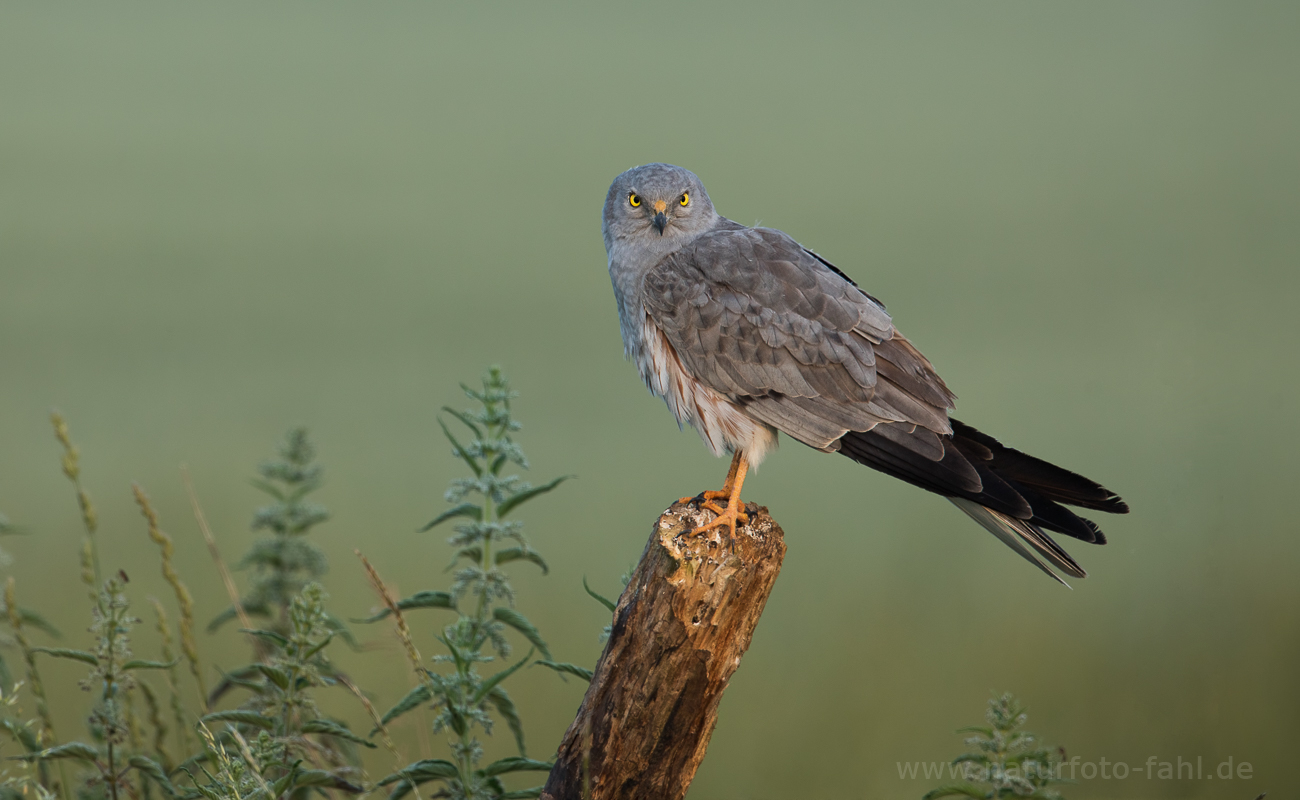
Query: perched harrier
[[744, 332]]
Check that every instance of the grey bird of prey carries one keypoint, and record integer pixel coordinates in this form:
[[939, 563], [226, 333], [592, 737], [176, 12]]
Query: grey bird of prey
[[744, 332]]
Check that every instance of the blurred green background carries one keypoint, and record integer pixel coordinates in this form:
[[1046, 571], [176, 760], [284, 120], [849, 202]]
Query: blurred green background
[[219, 220]]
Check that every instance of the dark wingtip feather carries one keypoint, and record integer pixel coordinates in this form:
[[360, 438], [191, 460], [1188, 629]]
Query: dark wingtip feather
[[1026, 539], [1014, 496], [1053, 482]]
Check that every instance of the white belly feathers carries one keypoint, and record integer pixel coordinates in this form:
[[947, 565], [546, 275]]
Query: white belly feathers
[[723, 426]]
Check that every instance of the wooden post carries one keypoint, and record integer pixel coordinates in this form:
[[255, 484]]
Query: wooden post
[[679, 631]]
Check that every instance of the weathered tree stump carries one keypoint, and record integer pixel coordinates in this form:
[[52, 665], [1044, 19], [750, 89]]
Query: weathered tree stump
[[680, 629]]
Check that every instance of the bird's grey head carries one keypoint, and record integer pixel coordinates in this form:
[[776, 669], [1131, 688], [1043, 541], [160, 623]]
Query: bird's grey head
[[658, 205]]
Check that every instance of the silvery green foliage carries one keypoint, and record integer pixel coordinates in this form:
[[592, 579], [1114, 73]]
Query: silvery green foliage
[[464, 701], [293, 745], [285, 562], [111, 680], [1006, 761]]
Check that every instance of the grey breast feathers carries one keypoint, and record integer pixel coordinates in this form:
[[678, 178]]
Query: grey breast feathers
[[758, 318]]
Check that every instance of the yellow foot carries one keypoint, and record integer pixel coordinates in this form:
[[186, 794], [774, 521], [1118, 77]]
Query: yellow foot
[[712, 494], [728, 516]]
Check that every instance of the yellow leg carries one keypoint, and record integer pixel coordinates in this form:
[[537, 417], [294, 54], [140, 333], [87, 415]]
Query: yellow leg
[[713, 494], [732, 514]]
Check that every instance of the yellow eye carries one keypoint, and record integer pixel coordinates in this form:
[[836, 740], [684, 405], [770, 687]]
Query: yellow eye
[[634, 200], [686, 198]]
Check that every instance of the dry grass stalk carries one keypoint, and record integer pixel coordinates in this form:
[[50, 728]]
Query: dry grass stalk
[[169, 657], [154, 715], [247, 755], [72, 469], [183, 598], [379, 724], [226, 579], [403, 630], [408, 644]]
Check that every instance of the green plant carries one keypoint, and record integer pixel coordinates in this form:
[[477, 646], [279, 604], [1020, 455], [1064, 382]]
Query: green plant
[[485, 538], [277, 746], [283, 563], [24, 784], [293, 746], [1007, 761], [111, 679]]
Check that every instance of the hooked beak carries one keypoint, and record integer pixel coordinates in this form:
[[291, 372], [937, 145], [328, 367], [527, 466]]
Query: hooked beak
[[661, 217]]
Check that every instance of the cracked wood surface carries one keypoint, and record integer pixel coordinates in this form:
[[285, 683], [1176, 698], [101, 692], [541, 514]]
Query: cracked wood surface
[[680, 629]]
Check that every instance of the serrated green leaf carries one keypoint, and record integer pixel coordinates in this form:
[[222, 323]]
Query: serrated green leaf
[[430, 769], [270, 636], [413, 699], [506, 708], [522, 794], [154, 771], [404, 788], [956, 790], [604, 601], [521, 554], [456, 720], [429, 599], [77, 750], [336, 730], [469, 510], [319, 646], [486, 686], [516, 764], [275, 675], [137, 663], [269, 488], [471, 554], [520, 623], [240, 676], [239, 716], [567, 668], [221, 619], [328, 780], [465, 420], [284, 783], [340, 629], [528, 494], [63, 652], [461, 452]]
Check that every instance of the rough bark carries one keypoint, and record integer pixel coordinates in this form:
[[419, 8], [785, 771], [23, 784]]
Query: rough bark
[[680, 629]]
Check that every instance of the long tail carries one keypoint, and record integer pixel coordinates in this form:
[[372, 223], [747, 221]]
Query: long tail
[[1014, 496]]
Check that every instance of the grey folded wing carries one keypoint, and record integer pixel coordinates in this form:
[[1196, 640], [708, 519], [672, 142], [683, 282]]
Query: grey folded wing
[[755, 316]]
